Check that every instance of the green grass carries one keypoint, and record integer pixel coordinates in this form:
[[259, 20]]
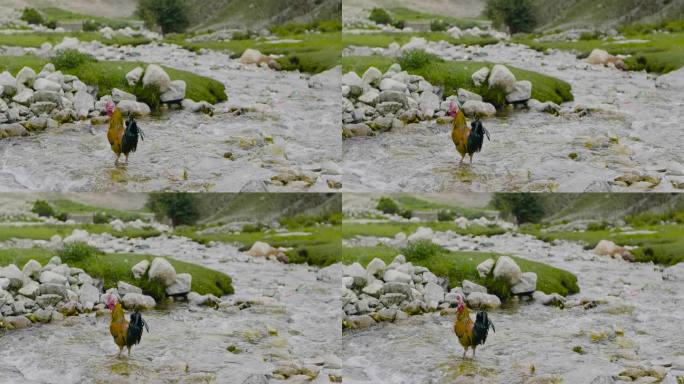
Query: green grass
[[70, 206], [316, 52], [59, 14], [664, 247], [663, 53], [112, 74], [459, 266], [383, 39], [415, 204], [36, 39], [452, 75], [390, 229], [112, 268], [320, 248], [405, 14], [46, 231]]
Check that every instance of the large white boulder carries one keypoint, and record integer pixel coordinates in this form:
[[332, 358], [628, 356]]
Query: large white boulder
[[88, 296], [375, 267], [133, 77], [84, 102], [156, 76], [527, 284], [388, 84], [14, 275], [392, 275], [78, 235], [134, 107], [67, 43], [470, 287], [123, 288], [162, 271], [49, 277], [508, 270], [478, 108], [606, 248], [483, 300], [8, 84], [261, 249], [485, 267], [372, 76], [181, 286], [176, 92], [422, 233], [501, 77], [118, 95], [140, 269], [522, 91], [32, 268], [429, 103], [137, 301], [480, 76], [42, 84], [26, 76], [599, 56]]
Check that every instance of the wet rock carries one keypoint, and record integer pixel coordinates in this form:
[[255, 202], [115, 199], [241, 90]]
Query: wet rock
[[501, 77], [181, 286], [548, 299], [26, 76], [599, 56], [387, 314], [470, 287], [478, 108], [606, 248], [176, 92], [527, 284], [14, 275], [49, 277], [207, 300], [42, 315], [133, 77], [133, 107], [485, 267], [254, 57], [18, 322], [163, 271], [138, 301], [675, 272], [261, 249], [119, 95], [156, 76], [12, 130], [140, 269], [123, 288], [83, 104], [507, 269], [483, 300], [361, 321], [522, 91]]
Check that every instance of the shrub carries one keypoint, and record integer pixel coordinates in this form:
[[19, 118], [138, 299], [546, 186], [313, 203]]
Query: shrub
[[71, 58], [61, 216], [517, 15], [32, 16], [252, 228], [388, 206], [438, 25], [406, 213], [421, 250], [181, 208], [102, 218], [171, 15], [242, 35], [52, 24], [399, 24], [150, 95], [446, 215], [90, 26], [43, 209], [416, 59], [598, 226], [524, 207], [77, 251], [593, 35], [380, 16]]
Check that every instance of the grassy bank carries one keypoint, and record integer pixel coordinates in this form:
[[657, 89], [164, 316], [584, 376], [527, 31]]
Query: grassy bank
[[63, 15], [73, 207], [665, 246], [383, 39], [405, 14], [46, 231], [312, 53], [36, 39], [452, 75], [112, 268], [412, 203], [390, 229], [107, 75], [459, 266], [658, 53]]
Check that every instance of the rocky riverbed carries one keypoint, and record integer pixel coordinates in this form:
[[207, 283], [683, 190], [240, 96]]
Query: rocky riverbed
[[276, 132], [629, 333], [282, 322], [619, 134]]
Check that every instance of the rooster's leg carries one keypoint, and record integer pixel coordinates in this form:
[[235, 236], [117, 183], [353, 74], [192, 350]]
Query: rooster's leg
[[471, 159], [462, 157], [464, 352], [474, 352], [126, 158], [129, 351], [116, 161], [120, 350]]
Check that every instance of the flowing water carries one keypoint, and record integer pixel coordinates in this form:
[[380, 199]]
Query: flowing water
[[634, 128], [639, 325], [273, 124], [188, 344]]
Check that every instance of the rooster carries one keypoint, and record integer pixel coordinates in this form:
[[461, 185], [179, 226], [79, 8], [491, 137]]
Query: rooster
[[470, 334], [122, 138], [125, 334], [467, 140]]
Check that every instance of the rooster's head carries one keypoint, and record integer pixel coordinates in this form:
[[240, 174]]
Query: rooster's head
[[110, 108], [453, 109], [111, 301], [460, 304]]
